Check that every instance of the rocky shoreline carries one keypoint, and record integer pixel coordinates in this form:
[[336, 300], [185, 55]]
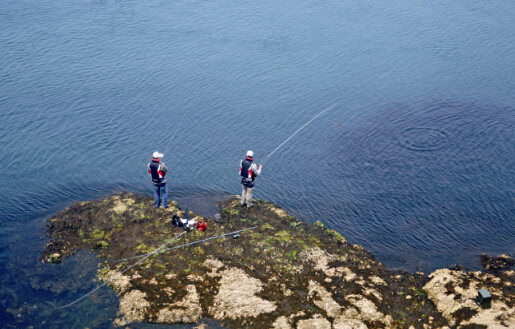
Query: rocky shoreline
[[282, 274]]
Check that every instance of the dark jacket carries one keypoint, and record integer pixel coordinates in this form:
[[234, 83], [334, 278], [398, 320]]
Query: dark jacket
[[157, 171], [248, 171]]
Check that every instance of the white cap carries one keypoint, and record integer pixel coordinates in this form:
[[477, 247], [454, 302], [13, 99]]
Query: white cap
[[157, 155], [250, 153]]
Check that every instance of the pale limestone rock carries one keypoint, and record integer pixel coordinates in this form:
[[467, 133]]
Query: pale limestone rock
[[279, 212], [349, 324], [121, 283], [317, 322], [367, 309], [448, 303], [286, 292], [296, 315], [373, 292], [349, 319], [445, 302], [122, 205], [133, 306], [201, 326], [237, 296], [323, 299], [377, 280], [489, 317], [188, 310], [214, 265], [170, 276], [361, 281], [320, 258], [348, 274], [194, 278], [281, 323]]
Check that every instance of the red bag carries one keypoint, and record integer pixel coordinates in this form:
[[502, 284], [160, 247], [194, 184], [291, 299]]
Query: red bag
[[201, 225]]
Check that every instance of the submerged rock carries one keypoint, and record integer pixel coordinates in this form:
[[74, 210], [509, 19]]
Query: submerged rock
[[283, 274]]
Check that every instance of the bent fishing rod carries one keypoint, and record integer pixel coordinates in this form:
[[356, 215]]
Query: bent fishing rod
[[298, 130]]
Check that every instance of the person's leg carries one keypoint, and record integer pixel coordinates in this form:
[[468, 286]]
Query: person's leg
[[249, 196], [164, 195], [243, 194], [156, 196]]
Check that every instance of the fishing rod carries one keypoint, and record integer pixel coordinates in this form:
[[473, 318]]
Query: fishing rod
[[188, 244], [158, 250], [172, 138], [298, 130], [128, 268]]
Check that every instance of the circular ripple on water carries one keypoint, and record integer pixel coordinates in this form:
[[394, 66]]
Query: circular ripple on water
[[423, 139]]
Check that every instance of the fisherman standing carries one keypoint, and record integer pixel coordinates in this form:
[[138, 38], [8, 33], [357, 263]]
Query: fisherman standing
[[158, 170], [249, 171]]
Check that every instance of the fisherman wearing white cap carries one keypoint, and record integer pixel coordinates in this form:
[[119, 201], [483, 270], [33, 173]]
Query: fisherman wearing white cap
[[249, 171], [158, 170]]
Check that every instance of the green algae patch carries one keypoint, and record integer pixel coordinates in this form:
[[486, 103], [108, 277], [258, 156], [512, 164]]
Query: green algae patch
[[281, 274]]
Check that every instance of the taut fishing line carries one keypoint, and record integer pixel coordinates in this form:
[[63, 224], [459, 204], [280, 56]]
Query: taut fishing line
[[128, 268], [188, 244], [172, 137], [298, 130], [157, 251]]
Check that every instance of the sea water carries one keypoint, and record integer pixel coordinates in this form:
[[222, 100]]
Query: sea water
[[415, 162]]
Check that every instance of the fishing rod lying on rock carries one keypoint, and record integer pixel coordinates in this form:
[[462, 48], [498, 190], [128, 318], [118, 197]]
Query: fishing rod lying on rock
[[128, 268], [186, 244], [155, 252]]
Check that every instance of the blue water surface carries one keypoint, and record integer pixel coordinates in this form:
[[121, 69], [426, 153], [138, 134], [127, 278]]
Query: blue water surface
[[416, 162]]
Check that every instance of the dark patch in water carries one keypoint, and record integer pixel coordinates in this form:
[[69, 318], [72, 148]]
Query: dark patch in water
[[423, 139], [417, 183]]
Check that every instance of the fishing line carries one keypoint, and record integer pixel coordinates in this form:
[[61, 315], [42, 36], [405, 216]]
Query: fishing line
[[188, 244], [298, 130], [128, 268], [173, 137]]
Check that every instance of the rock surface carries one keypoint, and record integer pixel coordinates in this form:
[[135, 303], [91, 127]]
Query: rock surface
[[283, 274]]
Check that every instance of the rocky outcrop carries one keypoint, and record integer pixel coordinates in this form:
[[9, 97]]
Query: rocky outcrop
[[454, 293], [237, 298], [282, 274]]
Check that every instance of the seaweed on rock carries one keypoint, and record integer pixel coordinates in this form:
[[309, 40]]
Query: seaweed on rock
[[283, 274]]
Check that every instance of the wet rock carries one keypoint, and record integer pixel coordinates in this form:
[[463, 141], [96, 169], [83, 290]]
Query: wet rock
[[54, 258], [133, 307], [454, 293], [237, 296], [282, 274], [349, 324], [281, 323], [323, 299], [188, 310], [496, 264], [320, 259], [121, 283], [317, 322]]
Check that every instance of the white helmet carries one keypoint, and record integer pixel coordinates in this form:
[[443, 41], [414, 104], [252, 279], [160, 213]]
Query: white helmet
[[250, 154], [157, 155]]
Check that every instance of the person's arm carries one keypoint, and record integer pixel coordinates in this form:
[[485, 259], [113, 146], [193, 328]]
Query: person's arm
[[164, 169], [257, 169]]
